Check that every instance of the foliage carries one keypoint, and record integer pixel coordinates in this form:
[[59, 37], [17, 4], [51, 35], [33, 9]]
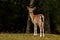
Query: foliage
[[15, 12]]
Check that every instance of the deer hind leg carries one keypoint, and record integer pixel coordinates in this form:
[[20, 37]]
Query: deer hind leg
[[43, 29], [41, 26], [35, 29], [40, 30], [43, 33]]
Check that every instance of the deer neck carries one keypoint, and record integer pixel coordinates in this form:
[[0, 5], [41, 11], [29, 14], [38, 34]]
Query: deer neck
[[31, 15]]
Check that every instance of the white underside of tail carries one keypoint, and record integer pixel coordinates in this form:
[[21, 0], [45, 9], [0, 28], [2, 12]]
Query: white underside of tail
[[40, 20]]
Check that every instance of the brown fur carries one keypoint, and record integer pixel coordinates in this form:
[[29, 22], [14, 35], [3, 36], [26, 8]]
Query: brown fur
[[36, 18]]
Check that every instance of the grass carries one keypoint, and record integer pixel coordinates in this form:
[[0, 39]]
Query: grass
[[6, 36]]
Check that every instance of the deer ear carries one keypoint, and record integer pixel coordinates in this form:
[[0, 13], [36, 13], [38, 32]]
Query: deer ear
[[27, 7]]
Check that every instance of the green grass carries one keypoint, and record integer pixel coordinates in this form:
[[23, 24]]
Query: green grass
[[7, 36]]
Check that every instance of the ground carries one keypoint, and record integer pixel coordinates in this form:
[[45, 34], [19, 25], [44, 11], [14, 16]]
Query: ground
[[18, 36]]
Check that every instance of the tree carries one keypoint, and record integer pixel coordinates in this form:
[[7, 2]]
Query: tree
[[28, 21]]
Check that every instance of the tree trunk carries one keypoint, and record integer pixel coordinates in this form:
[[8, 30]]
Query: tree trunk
[[28, 21], [28, 25]]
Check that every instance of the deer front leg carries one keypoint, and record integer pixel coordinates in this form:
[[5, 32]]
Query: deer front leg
[[35, 29]]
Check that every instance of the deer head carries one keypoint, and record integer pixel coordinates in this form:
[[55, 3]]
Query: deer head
[[31, 9]]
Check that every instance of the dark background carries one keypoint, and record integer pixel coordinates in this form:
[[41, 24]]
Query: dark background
[[14, 15]]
